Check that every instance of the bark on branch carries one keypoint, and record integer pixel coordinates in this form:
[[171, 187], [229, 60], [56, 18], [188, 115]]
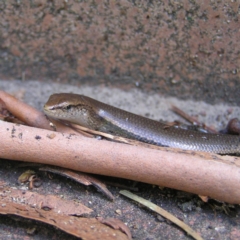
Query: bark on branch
[[215, 178]]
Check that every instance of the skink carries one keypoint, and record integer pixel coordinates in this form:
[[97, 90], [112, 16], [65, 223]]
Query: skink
[[102, 117]]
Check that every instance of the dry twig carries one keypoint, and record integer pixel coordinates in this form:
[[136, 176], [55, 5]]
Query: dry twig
[[163, 213], [192, 120]]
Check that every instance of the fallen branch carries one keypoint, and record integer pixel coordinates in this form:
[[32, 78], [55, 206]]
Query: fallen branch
[[30, 115], [217, 177]]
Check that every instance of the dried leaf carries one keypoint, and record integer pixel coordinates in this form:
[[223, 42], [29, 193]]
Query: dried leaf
[[84, 228], [47, 202], [83, 178], [163, 213], [116, 224], [24, 177]]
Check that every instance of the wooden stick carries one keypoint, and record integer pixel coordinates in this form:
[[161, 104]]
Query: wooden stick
[[30, 115], [217, 177], [192, 120]]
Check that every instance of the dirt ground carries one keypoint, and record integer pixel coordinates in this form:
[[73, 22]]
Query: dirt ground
[[212, 220]]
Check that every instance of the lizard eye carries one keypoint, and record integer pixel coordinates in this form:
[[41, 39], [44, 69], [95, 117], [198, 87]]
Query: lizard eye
[[68, 107]]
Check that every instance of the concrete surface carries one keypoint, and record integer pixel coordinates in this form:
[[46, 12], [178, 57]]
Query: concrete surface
[[188, 49]]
